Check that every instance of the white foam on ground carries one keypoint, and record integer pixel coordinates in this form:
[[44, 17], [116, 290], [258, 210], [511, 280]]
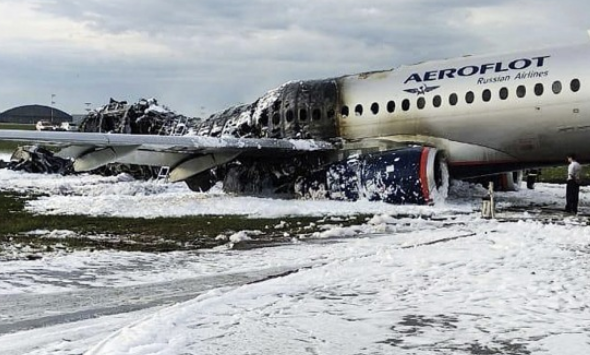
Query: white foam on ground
[[393, 285]]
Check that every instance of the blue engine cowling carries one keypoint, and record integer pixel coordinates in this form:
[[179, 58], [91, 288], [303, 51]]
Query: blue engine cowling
[[416, 175]]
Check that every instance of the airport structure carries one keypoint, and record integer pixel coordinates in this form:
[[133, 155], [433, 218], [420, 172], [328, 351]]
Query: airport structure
[[31, 114]]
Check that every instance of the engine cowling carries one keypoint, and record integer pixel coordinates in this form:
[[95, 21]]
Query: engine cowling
[[416, 175]]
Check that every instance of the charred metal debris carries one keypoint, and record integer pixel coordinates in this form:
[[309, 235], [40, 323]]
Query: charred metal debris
[[295, 110]]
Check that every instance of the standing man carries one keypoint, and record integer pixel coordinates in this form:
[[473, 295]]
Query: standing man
[[572, 184]]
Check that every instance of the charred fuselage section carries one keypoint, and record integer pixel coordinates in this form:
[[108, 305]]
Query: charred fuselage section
[[296, 110]]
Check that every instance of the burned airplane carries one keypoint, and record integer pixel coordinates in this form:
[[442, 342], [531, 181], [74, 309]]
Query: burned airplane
[[395, 135]]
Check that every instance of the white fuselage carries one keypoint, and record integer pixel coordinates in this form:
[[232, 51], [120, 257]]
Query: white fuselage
[[502, 123]]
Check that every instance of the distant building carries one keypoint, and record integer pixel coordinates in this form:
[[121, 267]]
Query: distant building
[[77, 118], [34, 113]]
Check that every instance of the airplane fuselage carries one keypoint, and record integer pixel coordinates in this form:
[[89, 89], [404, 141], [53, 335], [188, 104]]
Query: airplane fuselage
[[530, 108], [385, 135]]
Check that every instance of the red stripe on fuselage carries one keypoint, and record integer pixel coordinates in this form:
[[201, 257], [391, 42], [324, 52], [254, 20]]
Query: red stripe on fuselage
[[424, 174]]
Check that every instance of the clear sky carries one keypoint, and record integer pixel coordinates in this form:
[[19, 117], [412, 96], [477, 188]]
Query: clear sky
[[200, 56]]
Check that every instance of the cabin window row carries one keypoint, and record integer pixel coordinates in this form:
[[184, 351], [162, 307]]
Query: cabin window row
[[303, 115], [486, 96]]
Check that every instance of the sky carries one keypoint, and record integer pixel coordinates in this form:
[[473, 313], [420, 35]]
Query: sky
[[198, 57]]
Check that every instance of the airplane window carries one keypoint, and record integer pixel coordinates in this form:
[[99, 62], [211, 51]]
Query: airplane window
[[421, 103], [391, 106], [453, 99], [375, 108], [539, 89], [486, 95], [316, 115], [575, 85], [331, 113], [503, 93], [290, 116], [437, 101], [276, 119], [264, 117], [521, 91], [469, 97], [303, 115], [406, 105], [276, 105], [344, 111], [358, 110], [556, 87]]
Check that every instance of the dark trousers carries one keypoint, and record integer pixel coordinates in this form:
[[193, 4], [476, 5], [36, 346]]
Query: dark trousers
[[572, 191]]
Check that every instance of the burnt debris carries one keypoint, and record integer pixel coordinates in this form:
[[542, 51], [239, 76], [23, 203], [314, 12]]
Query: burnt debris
[[143, 117], [38, 160], [295, 110]]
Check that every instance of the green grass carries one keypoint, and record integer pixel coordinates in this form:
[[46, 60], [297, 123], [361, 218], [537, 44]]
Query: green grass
[[142, 234], [29, 127], [555, 175], [9, 146]]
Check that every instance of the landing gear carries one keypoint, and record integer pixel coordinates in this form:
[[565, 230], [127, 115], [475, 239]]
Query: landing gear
[[531, 178]]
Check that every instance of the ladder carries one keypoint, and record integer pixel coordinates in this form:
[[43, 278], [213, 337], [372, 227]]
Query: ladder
[[163, 173]]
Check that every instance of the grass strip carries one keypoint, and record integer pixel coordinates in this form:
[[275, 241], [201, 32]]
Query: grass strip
[[149, 234]]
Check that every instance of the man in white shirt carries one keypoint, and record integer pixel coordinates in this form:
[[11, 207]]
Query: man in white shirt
[[572, 190]]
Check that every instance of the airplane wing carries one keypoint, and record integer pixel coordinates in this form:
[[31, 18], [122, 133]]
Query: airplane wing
[[186, 155]]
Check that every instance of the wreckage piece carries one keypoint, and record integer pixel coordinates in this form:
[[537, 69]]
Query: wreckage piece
[[143, 117], [35, 159]]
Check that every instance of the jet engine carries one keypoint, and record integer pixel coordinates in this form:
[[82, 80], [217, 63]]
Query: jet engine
[[416, 175]]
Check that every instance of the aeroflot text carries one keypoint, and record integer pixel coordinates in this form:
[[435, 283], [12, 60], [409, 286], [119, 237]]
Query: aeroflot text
[[470, 70]]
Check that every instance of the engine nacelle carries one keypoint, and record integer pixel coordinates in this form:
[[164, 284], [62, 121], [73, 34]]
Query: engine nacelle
[[415, 175]]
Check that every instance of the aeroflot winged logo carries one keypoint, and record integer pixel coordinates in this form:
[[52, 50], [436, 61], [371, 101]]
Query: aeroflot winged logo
[[422, 89], [471, 70]]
